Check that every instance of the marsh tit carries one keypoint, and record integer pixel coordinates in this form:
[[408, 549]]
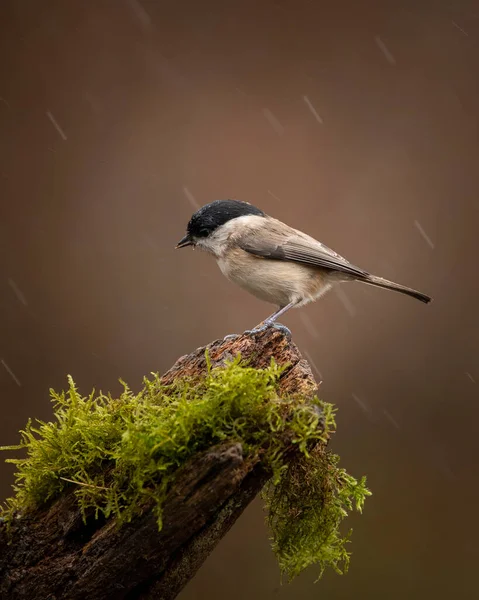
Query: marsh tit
[[271, 260]]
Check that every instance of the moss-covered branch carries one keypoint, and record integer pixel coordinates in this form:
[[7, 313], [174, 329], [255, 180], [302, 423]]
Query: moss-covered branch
[[131, 494]]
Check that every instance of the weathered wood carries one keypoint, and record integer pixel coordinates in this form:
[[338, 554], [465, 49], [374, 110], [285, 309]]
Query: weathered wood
[[54, 555]]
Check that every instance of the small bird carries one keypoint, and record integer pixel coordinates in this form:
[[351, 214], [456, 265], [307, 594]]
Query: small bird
[[271, 260]]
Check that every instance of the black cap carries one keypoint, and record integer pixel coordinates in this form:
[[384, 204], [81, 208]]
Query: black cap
[[217, 213]]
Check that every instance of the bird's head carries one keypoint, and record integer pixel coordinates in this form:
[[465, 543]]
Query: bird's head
[[212, 216]]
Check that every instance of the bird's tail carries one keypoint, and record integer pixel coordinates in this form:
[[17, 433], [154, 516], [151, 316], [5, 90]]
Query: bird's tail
[[396, 287]]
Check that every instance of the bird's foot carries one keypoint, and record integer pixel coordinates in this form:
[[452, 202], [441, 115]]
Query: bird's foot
[[259, 329], [264, 326], [284, 330]]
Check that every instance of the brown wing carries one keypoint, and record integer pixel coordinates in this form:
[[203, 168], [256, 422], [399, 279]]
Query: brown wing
[[295, 248]]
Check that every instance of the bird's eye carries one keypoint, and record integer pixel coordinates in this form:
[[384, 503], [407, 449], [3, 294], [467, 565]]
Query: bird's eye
[[203, 232]]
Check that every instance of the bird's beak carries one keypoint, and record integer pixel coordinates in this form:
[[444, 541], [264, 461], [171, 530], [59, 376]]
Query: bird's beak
[[186, 241]]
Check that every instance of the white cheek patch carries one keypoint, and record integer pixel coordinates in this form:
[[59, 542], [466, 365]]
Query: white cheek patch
[[217, 242], [208, 245], [202, 244]]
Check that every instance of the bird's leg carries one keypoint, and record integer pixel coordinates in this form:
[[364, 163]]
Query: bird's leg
[[271, 321]]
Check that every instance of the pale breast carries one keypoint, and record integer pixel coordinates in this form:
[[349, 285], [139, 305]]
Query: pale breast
[[273, 281]]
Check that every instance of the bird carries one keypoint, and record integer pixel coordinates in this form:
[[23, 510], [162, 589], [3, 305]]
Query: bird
[[273, 261]]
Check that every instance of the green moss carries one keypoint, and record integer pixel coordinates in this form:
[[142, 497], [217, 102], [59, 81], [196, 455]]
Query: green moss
[[119, 453], [305, 511]]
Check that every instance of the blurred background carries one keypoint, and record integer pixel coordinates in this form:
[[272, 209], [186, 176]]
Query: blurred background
[[354, 121]]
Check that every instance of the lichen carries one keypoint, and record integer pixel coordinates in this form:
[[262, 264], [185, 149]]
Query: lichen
[[118, 453]]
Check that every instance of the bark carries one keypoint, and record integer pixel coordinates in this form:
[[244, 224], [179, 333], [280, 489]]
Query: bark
[[53, 555]]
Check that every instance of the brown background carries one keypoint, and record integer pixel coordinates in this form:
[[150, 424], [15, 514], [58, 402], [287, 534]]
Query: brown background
[[118, 118]]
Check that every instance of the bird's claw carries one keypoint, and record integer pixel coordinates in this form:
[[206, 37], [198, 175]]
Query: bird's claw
[[231, 336], [259, 329], [284, 330], [264, 326]]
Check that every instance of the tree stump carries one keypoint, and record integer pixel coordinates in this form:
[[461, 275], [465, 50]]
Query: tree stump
[[52, 554]]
